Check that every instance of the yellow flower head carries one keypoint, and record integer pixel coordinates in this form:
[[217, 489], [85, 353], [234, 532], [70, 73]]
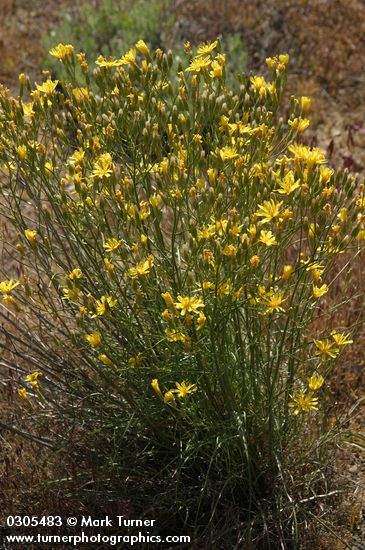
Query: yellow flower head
[[80, 94], [108, 62], [168, 298], [72, 293], [33, 378], [305, 103], [105, 359], [94, 339], [304, 402], [129, 58], [103, 166], [22, 151], [228, 153], [288, 184], [315, 382], [326, 349], [184, 389], [104, 304], [169, 396], [143, 48], [62, 51], [112, 244], [47, 87], [341, 338], [273, 301], [217, 70], [310, 157], [156, 388], [22, 392], [7, 286], [75, 274], [174, 335], [199, 64], [141, 269], [268, 210], [299, 124], [319, 291], [30, 235], [189, 304], [266, 237], [207, 48], [259, 84]]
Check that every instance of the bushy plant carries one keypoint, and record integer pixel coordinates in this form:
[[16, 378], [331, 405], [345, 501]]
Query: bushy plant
[[176, 243]]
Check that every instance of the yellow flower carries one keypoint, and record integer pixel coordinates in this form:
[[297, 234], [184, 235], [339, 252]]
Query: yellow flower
[[75, 274], [230, 250], [341, 338], [108, 62], [62, 51], [33, 378], [326, 349], [22, 392], [227, 153], [174, 335], [103, 166], [47, 87], [305, 103], [303, 401], [184, 389], [288, 184], [278, 63], [268, 210], [254, 261], [169, 396], [342, 216], [143, 48], [266, 237], [129, 58], [310, 157], [141, 269], [7, 286], [30, 235], [105, 359], [103, 305], [112, 244], [273, 301], [188, 304], [71, 294], [156, 388], [299, 124], [109, 265], [287, 272], [259, 84], [22, 151], [207, 48], [77, 157], [94, 339], [135, 360], [199, 64], [80, 94], [217, 70], [168, 298], [201, 320], [326, 173], [319, 291], [315, 382], [28, 109]]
